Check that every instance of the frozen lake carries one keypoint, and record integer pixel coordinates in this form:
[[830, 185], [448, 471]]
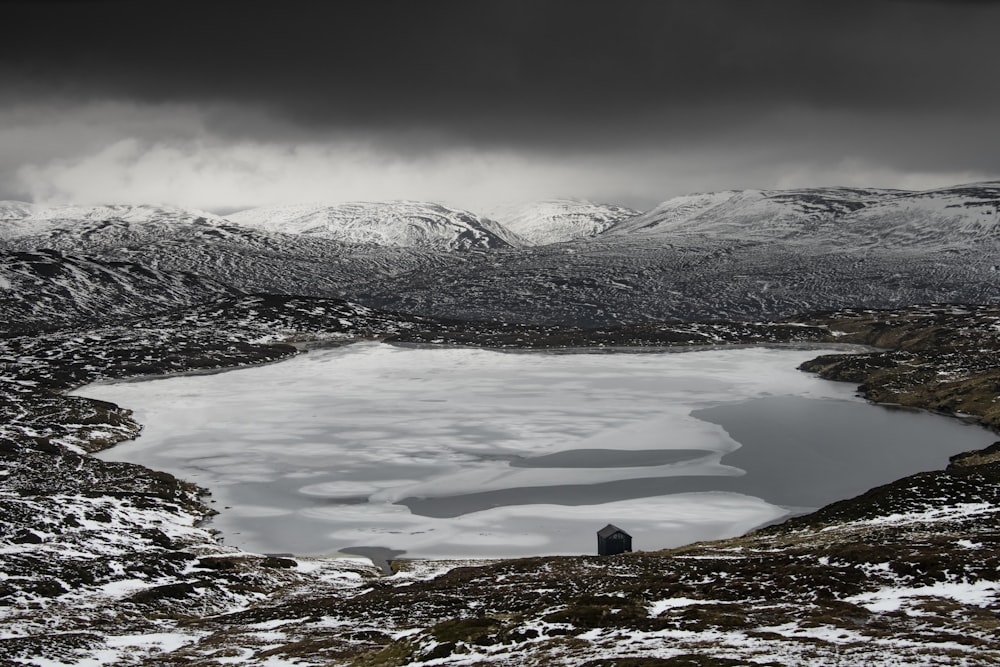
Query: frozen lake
[[463, 452]]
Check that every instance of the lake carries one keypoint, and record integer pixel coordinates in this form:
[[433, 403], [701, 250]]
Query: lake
[[473, 453]]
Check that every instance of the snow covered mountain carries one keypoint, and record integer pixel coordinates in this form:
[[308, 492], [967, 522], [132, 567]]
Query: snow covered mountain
[[734, 255], [123, 232], [397, 224], [14, 211], [742, 255], [955, 217], [961, 217], [174, 241], [19, 219], [753, 214], [558, 220]]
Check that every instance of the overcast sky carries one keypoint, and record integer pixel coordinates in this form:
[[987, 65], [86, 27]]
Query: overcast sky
[[230, 105]]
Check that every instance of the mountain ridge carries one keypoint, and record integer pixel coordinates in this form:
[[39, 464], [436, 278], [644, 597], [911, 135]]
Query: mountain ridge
[[954, 216], [556, 220], [863, 217], [401, 223], [735, 255]]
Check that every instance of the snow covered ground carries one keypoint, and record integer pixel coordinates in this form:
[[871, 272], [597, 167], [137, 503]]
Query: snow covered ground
[[314, 455]]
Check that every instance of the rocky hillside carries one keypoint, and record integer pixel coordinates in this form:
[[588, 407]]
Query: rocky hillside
[[932, 358], [46, 288]]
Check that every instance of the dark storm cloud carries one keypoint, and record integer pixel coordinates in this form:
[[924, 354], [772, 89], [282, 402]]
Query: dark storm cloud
[[513, 72], [229, 104]]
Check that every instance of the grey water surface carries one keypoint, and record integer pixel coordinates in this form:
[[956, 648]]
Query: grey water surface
[[795, 452]]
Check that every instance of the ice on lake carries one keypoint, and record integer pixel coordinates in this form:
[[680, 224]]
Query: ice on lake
[[465, 452]]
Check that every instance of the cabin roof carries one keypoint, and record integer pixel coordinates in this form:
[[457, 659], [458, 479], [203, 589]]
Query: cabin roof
[[610, 530]]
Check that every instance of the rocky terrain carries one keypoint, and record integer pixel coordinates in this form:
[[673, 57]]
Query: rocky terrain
[[113, 564], [746, 255], [45, 288]]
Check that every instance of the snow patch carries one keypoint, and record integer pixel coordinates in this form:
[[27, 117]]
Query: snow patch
[[980, 594]]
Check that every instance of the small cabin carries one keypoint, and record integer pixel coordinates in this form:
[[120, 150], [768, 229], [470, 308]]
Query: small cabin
[[613, 540]]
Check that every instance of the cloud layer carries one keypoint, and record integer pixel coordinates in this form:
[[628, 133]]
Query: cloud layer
[[226, 105]]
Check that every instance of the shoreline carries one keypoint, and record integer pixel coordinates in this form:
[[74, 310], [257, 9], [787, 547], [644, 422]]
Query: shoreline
[[798, 510], [305, 347]]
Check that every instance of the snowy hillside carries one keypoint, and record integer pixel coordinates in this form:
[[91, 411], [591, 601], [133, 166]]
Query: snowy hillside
[[19, 219], [674, 213], [754, 214], [13, 211], [957, 217], [558, 220], [840, 217], [399, 224], [123, 232]]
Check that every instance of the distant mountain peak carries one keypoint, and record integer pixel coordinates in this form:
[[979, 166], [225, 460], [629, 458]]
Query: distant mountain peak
[[949, 217], [394, 223], [19, 219], [557, 220]]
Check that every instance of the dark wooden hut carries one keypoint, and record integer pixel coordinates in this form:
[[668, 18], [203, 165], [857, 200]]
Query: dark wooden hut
[[613, 540]]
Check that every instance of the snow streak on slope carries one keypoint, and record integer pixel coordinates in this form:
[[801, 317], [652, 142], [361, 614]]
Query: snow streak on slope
[[558, 220], [401, 224]]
